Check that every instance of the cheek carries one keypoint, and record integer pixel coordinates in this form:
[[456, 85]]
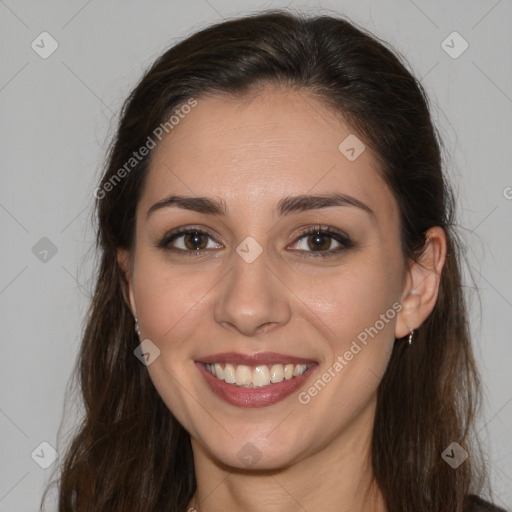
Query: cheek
[[358, 323], [170, 300], [351, 299]]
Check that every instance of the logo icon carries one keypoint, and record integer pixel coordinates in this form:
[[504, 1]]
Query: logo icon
[[147, 352], [351, 147], [249, 455], [249, 249], [44, 45], [44, 455], [455, 455], [454, 45], [44, 250]]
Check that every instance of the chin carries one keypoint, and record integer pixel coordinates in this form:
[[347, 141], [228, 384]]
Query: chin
[[256, 453]]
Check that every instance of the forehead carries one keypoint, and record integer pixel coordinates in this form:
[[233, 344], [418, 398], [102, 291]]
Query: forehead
[[262, 147]]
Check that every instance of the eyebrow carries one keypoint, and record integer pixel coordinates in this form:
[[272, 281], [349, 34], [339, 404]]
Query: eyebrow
[[286, 206]]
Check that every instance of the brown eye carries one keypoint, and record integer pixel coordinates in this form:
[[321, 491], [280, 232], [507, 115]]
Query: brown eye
[[313, 242], [195, 240], [319, 242], [188, 242]]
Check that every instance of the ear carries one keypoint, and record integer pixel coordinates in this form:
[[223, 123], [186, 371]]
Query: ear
[[422, 283], [123, 259]]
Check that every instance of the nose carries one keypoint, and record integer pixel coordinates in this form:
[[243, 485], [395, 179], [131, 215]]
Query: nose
[[253, 298]]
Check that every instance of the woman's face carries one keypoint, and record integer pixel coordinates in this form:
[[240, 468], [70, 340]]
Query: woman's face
[[254, 282]]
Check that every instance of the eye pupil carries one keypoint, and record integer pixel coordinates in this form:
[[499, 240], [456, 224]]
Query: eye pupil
[[317, 244], [195, 238]]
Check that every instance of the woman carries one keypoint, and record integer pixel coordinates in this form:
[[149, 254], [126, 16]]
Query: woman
[[278, 322]]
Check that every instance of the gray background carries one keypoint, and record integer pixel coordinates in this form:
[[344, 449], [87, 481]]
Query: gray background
[[58, 114]]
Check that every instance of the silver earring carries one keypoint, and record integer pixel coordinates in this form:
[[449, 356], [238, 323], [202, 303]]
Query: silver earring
[[137, 330], [410, 336]]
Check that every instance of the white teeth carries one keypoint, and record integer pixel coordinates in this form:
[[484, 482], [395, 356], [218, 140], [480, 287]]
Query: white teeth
[[229, 374], [259, 376], [288, 371], [299, 370], [276, 373], [243, 375], [219, 372]]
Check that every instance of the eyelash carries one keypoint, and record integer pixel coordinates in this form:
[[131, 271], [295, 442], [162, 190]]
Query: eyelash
[[340, 237]]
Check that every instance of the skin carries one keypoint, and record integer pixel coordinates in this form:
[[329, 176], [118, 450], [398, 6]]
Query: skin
[[252, 153]]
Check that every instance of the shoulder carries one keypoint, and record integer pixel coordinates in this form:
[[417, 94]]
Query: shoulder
[[476, 504]]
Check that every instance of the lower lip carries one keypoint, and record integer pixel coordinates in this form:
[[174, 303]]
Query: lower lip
[[253, 397]]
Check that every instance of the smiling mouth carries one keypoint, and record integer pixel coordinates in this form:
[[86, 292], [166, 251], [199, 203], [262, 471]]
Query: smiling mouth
[[256, 376]]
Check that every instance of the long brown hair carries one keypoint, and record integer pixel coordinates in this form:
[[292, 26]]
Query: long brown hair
[[129, 453]]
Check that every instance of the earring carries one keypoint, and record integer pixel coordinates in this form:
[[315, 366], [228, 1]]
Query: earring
[[410, 336], [137, 330]]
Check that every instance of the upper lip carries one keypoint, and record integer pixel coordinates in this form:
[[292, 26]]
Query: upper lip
[[253, 359]]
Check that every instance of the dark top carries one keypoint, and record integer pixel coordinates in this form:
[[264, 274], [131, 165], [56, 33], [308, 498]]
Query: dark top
[[476, 504]]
